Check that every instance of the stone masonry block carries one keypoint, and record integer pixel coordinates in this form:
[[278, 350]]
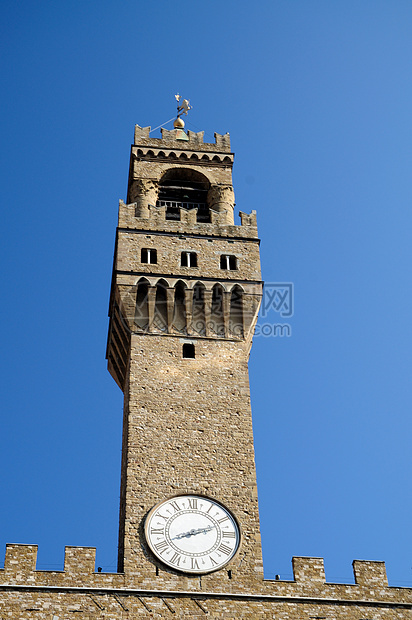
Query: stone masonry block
[[20, 559], [79, 560], [369, 573], [309, 570]]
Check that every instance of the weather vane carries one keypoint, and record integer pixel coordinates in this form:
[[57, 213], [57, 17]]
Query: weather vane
[[182, 108]]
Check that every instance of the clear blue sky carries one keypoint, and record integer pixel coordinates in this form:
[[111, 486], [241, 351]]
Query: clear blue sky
[[317, 97]]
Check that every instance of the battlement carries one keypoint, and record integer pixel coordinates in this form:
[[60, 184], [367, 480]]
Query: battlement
[[308, 570], [78, 588], [154, 218], [190, 139], [79, 565]]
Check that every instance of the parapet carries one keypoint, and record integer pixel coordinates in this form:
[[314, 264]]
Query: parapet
[[79, 567], [20, 562], [191, 140], [154, 218], [366, 573], [79, 590]]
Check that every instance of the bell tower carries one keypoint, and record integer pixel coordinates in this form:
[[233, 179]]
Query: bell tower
[[185, 296]]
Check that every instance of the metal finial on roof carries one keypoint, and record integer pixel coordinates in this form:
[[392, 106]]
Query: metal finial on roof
[[182, 108]]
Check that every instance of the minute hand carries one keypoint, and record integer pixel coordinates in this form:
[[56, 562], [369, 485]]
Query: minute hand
[[194, 532]]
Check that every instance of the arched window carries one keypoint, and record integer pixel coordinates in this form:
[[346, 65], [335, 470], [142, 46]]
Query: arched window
[[183, 188], [141, 315], [198, 310], [236, 312], [179, 309], [217, 323], [160, 311]]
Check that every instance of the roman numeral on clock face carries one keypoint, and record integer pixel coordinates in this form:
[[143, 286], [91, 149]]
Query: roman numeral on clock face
[[194, 563], [223, 519], [175, 507], [155, 530], [228, 534], [175, 559], [192, 501], [224, 549], [162, 546]]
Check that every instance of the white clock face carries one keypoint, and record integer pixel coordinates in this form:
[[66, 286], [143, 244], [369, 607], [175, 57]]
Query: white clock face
[[192, 534]]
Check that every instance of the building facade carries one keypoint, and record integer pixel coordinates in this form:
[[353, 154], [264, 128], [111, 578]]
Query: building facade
[[185, 296]]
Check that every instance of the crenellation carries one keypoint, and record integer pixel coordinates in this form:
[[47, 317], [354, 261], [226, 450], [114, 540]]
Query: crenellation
[[178, 136], [141, 133], [368, 573], [196, 137], [248, 219], [20, 561], [308, 570], [79, 560], [152, 217], [222, 141]]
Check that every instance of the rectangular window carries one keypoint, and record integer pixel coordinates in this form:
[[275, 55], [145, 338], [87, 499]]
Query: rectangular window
[[228, 261], [189, 350], [188, 259], [148, 255]]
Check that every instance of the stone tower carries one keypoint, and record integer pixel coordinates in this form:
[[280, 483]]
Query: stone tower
[[185, 296]]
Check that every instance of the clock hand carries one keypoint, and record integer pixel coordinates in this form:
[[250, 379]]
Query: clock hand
[[194, 532]]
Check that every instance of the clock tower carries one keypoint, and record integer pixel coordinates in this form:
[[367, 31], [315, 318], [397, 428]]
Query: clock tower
[[185, 296]]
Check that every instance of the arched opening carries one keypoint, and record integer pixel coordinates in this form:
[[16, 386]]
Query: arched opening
[[183, 188], [141, 315], [160, 311], [198, 310], [236, 312], [217, 323], [179, 309]]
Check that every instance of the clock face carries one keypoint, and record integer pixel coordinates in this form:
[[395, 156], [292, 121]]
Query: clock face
[[192, 534]]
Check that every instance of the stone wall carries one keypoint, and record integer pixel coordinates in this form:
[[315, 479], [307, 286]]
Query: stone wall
[[80, 592]]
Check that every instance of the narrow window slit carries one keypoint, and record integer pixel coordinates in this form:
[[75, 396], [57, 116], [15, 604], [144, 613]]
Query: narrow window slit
[[189, 350]]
